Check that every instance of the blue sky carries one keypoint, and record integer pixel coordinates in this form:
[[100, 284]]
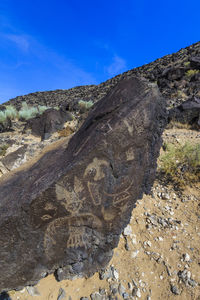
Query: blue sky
[[59, 44]]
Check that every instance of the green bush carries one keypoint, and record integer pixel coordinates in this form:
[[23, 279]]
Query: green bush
[[42, 108], [181, 163], [85, 105], [190, 73], [27, 112], [11, 112], [2, 117]]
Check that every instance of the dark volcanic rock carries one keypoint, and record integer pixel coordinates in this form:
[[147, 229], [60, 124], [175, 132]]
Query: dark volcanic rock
[[49, 122], [6, 126], [187, 113], [195, 62], [10, 160], [66, 210]]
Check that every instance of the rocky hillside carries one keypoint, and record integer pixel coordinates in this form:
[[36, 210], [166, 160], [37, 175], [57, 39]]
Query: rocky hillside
[[177, 76]]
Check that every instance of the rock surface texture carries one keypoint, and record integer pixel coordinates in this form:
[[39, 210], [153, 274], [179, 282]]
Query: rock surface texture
[[65, 211], [187, 113], [49, 122]]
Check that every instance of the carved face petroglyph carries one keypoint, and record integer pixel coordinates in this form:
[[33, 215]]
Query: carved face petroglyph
[[71, 198]]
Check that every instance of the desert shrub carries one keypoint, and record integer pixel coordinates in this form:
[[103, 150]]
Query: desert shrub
[[186, 64], [3, 149], [85, 105], [178, 125], [42, 108], [190, 73], [181, 163], [2, 117], [27, 112], [10, 112]]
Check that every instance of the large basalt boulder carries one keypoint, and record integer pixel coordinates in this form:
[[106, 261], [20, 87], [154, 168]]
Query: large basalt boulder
[[195, 62], [6, 126], [187, 113], [49, 122], [66, 210]]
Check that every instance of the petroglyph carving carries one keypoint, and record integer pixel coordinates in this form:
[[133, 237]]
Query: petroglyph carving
[[118, 198], [96, 164], [49, 206], [130, 154], [129, 127], [71, 200], [76, 237], [106, 127], [94, 192], [46, 217], [73, 230]]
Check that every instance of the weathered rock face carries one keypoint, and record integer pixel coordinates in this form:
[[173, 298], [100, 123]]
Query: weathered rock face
[[187, 113], [66, 210], [49, 122]]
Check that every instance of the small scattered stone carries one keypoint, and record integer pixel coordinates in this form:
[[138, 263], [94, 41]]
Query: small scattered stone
[[186, 257], [106, 274], [130, 286], [121, 289], [191, 282], [96, 296], [33, 291], [102, 291], [175, 290], [114, 288], [134, 291], [134, 241], [61, 295], [125, 296], [148, 243], [134, 253], [165, 196], [138, 294], [128, 230]]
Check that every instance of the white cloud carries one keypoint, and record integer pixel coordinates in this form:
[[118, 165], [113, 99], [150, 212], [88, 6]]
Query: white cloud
[[21, 41], [118, 65]]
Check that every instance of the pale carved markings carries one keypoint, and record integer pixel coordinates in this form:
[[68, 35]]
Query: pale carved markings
[[46, 217], [71, 198], [129, 127], [130, 154], [76, 237], [119, 198], [96, 164], [73, 231], [94, 192], [137, 122], [95, 167], [106, 127]]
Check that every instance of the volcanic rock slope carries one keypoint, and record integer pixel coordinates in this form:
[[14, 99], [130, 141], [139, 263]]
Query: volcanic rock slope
[[176, 74]]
